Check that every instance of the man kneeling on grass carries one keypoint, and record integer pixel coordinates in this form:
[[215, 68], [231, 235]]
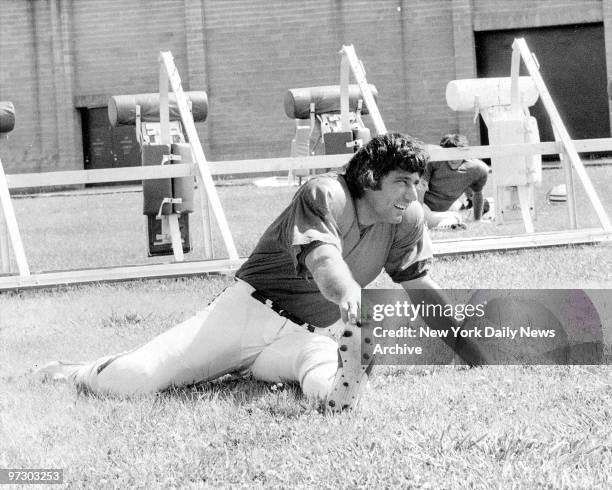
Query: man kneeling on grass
[[443, 183], [299, 290]]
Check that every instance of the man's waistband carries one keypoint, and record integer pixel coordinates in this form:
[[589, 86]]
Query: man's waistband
[[280, 311]]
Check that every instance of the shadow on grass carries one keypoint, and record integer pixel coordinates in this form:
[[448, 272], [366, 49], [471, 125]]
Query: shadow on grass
[[284, 400]]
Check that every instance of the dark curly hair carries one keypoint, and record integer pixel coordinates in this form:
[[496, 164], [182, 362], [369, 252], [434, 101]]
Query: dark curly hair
[[381, 155], [453, 140]]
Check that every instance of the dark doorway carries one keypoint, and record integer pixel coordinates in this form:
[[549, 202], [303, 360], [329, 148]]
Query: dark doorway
[[573, 65], [105, 146]]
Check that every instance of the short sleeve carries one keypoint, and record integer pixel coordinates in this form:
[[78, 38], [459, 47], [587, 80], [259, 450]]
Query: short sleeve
[[312, 219], [411, 252]]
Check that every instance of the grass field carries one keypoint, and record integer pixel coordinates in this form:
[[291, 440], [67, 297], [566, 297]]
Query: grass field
[[419, 427]]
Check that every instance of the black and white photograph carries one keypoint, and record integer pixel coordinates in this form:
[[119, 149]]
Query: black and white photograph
[[306, 244]]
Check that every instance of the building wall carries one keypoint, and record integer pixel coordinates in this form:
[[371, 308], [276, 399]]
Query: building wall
[[36, 71], [118, 43], [501, 14], [60, 55], [254, 55]]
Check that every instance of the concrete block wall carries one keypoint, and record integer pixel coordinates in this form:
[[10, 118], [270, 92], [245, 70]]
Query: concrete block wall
[[428, 37], [118, 44], [36, 75], [255, 54], [56, 54]]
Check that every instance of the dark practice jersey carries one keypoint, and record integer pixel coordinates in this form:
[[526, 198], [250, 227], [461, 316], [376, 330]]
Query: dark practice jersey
[[446, 181], [323, 211]]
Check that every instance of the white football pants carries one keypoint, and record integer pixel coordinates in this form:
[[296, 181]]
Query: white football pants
[[234, 333]]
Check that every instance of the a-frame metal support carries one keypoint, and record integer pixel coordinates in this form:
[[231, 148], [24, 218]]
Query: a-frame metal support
[[9, 231], [350, 60], [207, 187], [570, 154]]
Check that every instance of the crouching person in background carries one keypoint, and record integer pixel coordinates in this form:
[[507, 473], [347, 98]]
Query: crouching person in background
[[443, 183]]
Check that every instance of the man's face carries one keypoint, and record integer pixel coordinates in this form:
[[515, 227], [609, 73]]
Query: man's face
[[388, 204]]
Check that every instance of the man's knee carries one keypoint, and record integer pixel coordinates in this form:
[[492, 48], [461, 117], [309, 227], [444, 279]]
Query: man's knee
[[122, 378], [316, 366], [319, 381]]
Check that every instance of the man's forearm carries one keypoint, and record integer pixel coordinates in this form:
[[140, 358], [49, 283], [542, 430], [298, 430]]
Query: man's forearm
[[335, 281], [333, 278], [426, 290], [429, 293]]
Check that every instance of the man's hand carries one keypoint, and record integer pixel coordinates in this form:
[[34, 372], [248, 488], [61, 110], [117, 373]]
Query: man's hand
[[335, 281], [350, 305]]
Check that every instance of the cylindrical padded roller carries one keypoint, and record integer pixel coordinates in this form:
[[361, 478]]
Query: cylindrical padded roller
[[7, 116], [122, 108], [461, 94], [326, 99], [182, 187]]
